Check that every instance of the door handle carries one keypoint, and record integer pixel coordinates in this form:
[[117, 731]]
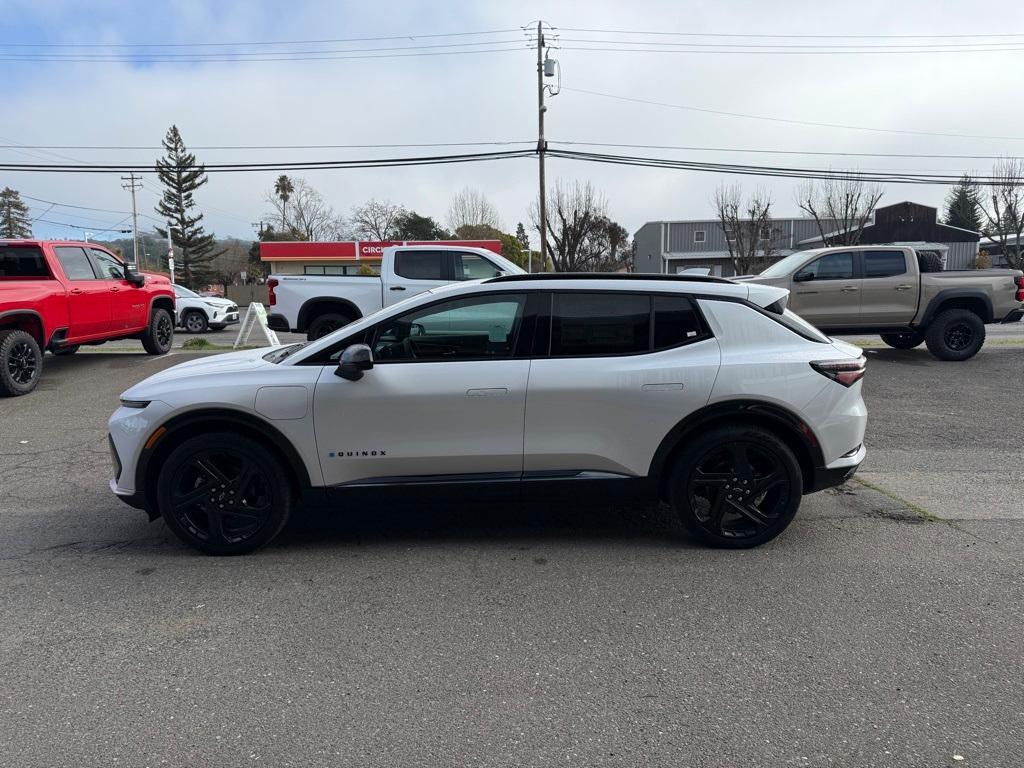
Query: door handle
[[76, 291], [487, 392], [114, 289], [805, 293], [849, 289], [397, 287], [904, 287]]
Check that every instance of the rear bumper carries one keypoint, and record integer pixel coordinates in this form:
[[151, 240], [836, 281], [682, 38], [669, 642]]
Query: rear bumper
[[278, 322], [1013, 316], [836, 473]]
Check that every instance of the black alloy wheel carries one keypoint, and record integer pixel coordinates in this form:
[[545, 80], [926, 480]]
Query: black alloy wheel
[[21, 363], [164, 330], [958, 336]]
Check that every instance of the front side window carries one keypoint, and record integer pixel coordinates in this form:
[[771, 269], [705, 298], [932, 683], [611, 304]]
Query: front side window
[[20, 262], [109, 267], [74, 262], [420, 265], [471, 266], [884, 263], [588, 324], [475, 328], [831, 266]]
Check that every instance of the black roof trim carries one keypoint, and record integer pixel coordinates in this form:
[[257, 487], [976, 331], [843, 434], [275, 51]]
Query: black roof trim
[[609, 276]]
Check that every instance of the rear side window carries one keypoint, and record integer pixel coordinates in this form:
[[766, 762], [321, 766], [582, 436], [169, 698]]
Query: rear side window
[[587, 324], [676, 321], [420, 265], [74, 262], [19, 262], [884, 263]]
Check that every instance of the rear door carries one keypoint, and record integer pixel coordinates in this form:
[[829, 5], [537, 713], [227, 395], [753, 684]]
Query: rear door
[[89, 306], [889, 291], [826, 291], [416, 271], [128, 305]]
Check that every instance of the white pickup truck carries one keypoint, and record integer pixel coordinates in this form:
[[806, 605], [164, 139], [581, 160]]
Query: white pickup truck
[[318, 304]]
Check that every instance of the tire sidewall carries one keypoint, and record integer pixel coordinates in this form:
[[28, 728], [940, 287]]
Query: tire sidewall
[[691, 456], [150, 340], [203, 322], [8, 340], [281, 505], [935, 336]]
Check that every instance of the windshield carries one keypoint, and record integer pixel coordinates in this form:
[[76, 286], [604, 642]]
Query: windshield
[[785, 266], [180, 290]]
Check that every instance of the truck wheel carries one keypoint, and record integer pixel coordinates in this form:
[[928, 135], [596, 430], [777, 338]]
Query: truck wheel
[[159, 334], [907, 340], [21, 363], [956, 334], [195, 321], [64, 351], [929, 262], [325, 324]]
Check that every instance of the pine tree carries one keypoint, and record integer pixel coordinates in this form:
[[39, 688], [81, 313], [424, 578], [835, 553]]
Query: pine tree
[[181, 177], [522, 237], [962, 207], [14, 220]]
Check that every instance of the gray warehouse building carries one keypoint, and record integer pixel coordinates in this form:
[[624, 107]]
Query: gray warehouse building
[[672, 246]]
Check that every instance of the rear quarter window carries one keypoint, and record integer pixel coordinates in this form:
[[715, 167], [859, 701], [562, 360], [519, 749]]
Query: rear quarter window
[[19, 262]]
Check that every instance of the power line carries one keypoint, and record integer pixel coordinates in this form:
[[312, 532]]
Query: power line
[[789, 151], [815, 47], [763, 52], [790, 36], [268, 146], [112, 228], [788, 121]]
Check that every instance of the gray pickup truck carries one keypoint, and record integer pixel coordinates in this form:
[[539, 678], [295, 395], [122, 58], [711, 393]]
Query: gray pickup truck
[[900, 294]]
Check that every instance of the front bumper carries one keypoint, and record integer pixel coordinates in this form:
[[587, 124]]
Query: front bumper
[[1013, 316], [228, 318], [836, 473], [128, 430]]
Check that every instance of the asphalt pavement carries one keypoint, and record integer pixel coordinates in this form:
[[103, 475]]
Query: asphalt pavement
[[870, 633]]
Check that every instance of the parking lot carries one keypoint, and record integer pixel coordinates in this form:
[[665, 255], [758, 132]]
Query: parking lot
[[883, 628]]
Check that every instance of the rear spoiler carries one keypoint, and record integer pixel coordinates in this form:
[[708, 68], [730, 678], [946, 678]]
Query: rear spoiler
[[769, 297]]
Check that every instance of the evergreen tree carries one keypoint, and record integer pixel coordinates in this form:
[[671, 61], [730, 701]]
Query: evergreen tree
[[522, 237], [962, 207], [14, 220], [181, 177]]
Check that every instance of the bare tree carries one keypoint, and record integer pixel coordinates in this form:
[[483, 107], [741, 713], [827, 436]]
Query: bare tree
[[750, 235], [376, 220], [1002, 208], [470, 208], [303, 212], [840, 206], [581, 235]]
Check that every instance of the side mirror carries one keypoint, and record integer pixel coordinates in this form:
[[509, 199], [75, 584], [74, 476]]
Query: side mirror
[[131, 274], [354, 360], [803, 277]]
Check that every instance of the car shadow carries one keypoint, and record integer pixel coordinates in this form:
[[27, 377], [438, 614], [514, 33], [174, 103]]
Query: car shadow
[[907, 357]]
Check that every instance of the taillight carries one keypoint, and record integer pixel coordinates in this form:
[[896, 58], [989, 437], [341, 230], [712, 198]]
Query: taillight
[[846, 372], [271, 285], [1019, 280]]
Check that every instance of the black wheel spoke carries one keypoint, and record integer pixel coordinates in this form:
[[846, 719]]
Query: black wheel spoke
[[714, 521], [702, 477], [764, 484], [741, 461], [189, 499], [209, 469], [216, 523], [751, 512]]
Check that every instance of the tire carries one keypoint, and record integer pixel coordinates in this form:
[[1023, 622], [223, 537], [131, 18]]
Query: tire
[[21, 363], [195, 321], [324, 324], [907, 340], [63, 351], [201, 482], [956, 334], [159, 334], [929, 262], [736, 487]]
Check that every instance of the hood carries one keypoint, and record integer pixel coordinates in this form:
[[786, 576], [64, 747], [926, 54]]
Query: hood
[[217, 301], [232, 362], [156, 278]]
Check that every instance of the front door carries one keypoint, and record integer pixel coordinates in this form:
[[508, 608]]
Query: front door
[[826, 292], [88, 297], [128, 304], [444, 399], [889, 293]]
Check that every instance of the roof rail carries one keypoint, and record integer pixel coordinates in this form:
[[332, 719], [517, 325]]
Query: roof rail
[[608, 276]]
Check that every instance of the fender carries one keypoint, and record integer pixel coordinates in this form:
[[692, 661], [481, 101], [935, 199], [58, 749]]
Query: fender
[[308, 304], [42, 340], [957, 293], [753, 411]]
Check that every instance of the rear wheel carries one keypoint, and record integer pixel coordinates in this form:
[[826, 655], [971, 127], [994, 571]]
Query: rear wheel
[[195, 321], [224, 494], [907, 340], [159, 334], [21, 363], [326, 324], [956, 334], [736, 487]]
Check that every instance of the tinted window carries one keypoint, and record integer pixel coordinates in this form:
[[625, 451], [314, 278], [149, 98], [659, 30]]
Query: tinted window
[[420, 265], [109, 267], [463, 329], [470, 266], [831, 266], [600, 324], [74, 262], [22, 262], [675, 321], [884, 263]]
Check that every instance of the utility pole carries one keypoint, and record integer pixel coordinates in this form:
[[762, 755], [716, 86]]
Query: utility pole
[[134, 183], [260, 225], [541, 148]]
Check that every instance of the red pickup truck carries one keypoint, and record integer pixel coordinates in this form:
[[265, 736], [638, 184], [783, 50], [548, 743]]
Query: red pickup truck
[[60, 294]]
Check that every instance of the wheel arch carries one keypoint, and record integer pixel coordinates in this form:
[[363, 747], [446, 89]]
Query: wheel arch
[[180, 428], [27, 320], [161, 302], [319, 305], [974, 301], [785, 424]]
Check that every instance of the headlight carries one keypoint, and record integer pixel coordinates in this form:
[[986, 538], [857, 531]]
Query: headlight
[[135, 403]]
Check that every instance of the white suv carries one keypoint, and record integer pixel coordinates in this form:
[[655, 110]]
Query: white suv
[[702, 392]]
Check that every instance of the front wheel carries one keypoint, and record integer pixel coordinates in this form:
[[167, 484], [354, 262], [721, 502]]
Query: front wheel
[[159, 334], [736, 487], [21, 363], [956, 334], [907, 340], [195, 321], [223, 494]]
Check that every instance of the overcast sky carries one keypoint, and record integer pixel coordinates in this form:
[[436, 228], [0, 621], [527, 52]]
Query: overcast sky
[[491, 96]]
